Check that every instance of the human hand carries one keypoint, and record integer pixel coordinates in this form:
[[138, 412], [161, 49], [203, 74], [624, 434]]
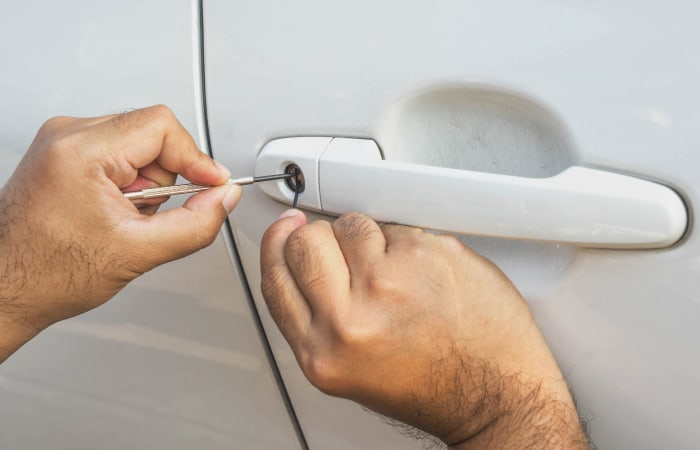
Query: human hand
[[417, 327], [69, 240]]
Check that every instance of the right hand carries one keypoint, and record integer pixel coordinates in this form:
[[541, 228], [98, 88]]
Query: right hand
[[69, 240], [417, 327]]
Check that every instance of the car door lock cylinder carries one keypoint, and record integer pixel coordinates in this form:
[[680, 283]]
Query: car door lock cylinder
[[295, 183]]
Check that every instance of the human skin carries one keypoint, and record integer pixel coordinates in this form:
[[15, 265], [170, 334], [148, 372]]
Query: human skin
[[69, 240], [412, 325], [417, 327]]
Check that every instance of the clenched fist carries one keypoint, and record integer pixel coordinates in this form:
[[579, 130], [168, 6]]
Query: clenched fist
[[417, 327]]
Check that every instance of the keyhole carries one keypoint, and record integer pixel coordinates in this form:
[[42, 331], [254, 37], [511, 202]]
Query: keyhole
[[296, 184]]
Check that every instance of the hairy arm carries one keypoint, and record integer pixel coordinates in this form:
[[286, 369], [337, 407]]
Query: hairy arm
[[519, 413], [418, 328], [13, 279]]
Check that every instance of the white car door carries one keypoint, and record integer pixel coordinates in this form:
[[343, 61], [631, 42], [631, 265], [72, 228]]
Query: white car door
[[527, 89]]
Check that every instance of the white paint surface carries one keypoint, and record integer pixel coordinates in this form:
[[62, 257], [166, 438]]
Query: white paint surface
[[579, 206], [619, 84]]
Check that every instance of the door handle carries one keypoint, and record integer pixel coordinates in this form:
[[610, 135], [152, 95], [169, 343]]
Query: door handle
[[579, 206]]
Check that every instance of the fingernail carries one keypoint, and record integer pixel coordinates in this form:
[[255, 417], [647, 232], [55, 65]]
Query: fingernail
[[224, 171], [231, 198], [289, 213]]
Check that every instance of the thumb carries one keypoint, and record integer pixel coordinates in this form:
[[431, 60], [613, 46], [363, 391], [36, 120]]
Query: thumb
[[178, 232]]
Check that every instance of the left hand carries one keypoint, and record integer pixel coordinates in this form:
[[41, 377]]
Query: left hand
[[417, 327], [69, 240]]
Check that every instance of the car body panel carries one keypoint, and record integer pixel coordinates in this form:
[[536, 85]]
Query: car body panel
[[521, 88], [611, 85]]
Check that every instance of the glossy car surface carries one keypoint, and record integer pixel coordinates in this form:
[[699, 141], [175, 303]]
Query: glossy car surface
[[187, 356]]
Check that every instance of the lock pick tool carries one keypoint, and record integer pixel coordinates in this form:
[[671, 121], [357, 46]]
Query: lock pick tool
[[190, 187]]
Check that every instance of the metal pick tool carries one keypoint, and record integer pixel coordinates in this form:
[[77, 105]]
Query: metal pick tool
[[188, 188]]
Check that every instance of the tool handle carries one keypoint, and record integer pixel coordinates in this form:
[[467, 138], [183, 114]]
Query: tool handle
[[165, 191], [191, 187]]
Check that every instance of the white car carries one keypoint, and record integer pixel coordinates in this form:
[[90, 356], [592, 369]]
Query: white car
[[466, 116]]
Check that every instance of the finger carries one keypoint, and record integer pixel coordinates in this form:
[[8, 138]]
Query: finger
[[317, 263], [157, 174], [284, 299], [178, 232], [361, 240], [152, 134]]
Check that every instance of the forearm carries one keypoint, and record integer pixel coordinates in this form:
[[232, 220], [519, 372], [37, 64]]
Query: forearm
[[14, 333], [476, 403], [15, 325], [418, 328], [531, 415], [522, 400]]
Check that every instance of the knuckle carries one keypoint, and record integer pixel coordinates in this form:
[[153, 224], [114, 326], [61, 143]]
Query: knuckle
[[58, 146], [354, 228], [308, 236], [307, 250], [405, 230], [353, 222], [53, 137], [53, 124], [350, 333], [161, 113], [161, 110], [328, 367], [451, 242], [298, 239], [206, 234], [322, 372], [207, 237], [458, 252], [379, 285], [302, 252], [139, 117], [352, 217]]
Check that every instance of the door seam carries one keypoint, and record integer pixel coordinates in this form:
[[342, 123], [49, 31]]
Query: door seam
[[227, 232]]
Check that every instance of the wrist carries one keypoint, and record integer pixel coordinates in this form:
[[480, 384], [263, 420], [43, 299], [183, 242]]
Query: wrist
[[16, 326], [509, 393], [531, 414], [519, 409], [14, 333]]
